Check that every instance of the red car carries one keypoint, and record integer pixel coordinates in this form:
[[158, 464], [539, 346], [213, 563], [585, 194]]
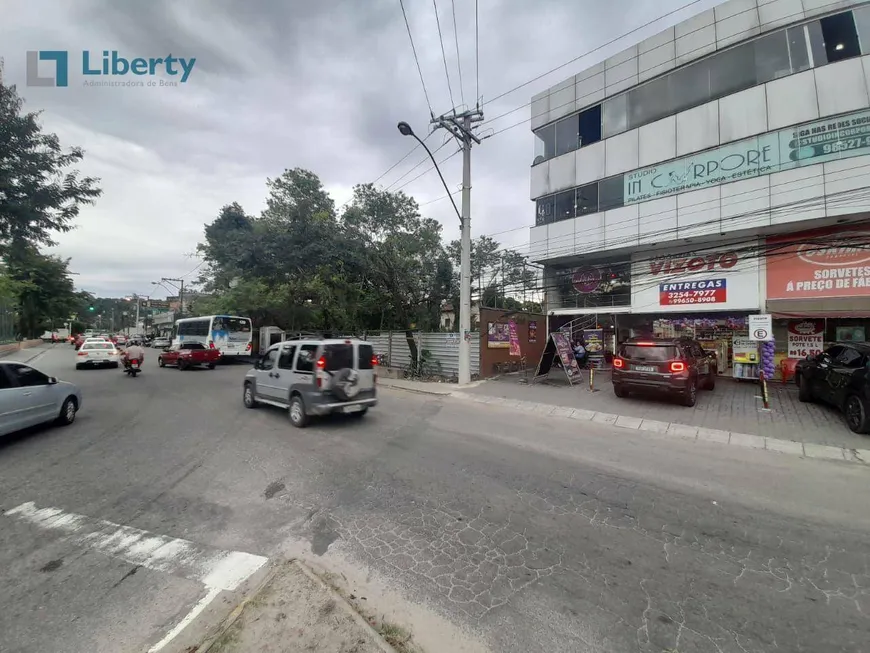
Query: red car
[[189, 354]]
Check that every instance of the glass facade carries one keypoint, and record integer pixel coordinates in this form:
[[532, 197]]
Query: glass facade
[[771, 56]]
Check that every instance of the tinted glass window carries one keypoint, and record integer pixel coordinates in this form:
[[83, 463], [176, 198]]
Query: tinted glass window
[[364, 357], [27, 376], [850, 358], [733, 70], [833, 352], [797, 49], [690, 86], [544, 210], [610, 193], [817, 43], [840, 37], [285, 362], [564, 205], [305, 361], [88, 346], [545, 143], [590, 125], [861, 16], [193, 345], [615, 115], [5, 381], [772, 59], [268, 360], [587, 199], [658, 353], [338, 357], [567, 135], [649, 102]]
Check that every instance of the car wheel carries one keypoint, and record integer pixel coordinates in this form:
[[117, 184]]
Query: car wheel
[[691, 395], [182, 365], [78, 367], [116, 365], [711, 381], [211, 366], [620, 392], [248, 396], [68, 412], [298, 418], [805, 393], [857, 418]]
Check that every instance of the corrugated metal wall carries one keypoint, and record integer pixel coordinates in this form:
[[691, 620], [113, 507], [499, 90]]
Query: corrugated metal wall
[[444, 348]]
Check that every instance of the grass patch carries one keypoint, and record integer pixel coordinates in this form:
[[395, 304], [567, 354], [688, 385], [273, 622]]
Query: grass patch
[[397, 637]]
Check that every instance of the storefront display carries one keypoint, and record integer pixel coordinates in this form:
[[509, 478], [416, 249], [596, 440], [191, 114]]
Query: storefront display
[[746, 358]]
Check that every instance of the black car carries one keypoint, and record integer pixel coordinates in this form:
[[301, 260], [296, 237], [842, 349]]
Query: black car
[[839, 376], [671, 366]]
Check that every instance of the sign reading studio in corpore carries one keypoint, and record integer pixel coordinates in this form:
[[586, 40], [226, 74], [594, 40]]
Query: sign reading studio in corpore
[[808, 144], [688, 281]]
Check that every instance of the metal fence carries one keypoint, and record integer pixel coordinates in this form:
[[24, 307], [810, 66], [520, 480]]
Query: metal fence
[[443, 348]]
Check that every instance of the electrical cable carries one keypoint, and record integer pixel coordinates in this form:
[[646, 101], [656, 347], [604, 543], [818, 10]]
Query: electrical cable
[[477, 53], [458, 58], [443, 53], [416, 58]]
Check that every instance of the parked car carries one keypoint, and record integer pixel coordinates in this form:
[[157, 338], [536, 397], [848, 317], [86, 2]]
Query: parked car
[[189, 354], [671, 366], [160, 343], [314, 377], [840, 377], [28, 398], [97, 354]]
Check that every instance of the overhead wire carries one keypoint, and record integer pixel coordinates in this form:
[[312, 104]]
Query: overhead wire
[[477, 54], [443, 53], [416, 58], [458, 58]]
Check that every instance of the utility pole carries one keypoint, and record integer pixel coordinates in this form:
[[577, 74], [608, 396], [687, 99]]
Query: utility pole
[[180, 294], [460, 125]]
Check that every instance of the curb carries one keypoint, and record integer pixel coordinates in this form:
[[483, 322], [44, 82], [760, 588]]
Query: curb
[[233, 617], [36, 355], [452, 388], [683, 432]]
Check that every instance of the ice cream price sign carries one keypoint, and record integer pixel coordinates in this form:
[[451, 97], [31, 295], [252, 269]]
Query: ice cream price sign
[[805, 338], [701, 291]]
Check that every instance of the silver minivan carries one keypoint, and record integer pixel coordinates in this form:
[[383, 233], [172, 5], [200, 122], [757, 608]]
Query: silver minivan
[[314, 377]]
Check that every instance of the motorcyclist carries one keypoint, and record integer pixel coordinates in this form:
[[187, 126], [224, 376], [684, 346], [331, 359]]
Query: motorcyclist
[[134, 352]]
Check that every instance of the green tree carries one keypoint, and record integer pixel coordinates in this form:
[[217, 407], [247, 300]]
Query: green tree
[[39, 192], [46, 294]]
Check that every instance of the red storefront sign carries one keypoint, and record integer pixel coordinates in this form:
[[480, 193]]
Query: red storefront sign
[[701, 291], [805, 338], [820, 263]]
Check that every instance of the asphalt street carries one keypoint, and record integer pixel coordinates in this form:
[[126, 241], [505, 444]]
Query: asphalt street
[[524, 533]]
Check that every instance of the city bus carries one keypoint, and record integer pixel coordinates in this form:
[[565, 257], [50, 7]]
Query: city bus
[[230, 334]]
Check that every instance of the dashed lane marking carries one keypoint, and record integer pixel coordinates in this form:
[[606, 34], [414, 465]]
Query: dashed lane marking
[[216, 569]]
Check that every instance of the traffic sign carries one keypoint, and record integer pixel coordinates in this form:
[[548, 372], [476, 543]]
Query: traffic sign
[[761, 327]]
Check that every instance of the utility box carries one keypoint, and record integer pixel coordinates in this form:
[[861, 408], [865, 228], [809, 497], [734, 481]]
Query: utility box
[[269, 335]]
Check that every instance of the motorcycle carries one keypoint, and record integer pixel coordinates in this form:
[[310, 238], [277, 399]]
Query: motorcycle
[[132, 367]]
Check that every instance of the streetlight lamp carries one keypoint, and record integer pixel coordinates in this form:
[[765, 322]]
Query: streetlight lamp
[[405, 130]]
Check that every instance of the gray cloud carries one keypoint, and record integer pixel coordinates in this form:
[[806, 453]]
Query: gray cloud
[[319, 85]]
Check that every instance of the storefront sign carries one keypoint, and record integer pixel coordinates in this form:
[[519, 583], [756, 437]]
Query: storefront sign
[[808, 144], [761, 327], [703, 280], [497, 336], [705, 291], [824, 263], [744, 350], [566, 355], [514, 339], [533, 331], [586, 280], [805, 338], [594, 342]]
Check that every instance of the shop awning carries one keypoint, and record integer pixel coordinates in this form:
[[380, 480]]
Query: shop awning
[[830, 307]]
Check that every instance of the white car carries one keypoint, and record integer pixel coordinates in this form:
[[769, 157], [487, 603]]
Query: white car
[[28, 397], [120, 340], [97, 353]]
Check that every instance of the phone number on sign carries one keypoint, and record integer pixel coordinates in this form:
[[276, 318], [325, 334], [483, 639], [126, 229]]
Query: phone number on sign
[[692, 297]]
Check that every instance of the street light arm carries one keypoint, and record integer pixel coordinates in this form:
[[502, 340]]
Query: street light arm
[[405, 130]]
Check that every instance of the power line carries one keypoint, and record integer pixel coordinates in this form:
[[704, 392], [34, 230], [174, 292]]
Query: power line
[[458, 58], [419, 163], [443, 53], [476, 53], [416, 58], [596, 49]]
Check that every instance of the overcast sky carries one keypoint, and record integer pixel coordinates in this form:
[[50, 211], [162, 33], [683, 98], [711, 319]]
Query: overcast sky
[[281, 84]]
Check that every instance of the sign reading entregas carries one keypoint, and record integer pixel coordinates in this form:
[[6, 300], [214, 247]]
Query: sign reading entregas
[[816, 142]]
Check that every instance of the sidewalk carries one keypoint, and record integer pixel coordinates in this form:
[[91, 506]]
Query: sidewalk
[[28, 354], [294, 610]]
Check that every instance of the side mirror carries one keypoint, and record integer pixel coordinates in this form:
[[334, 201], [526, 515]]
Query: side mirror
[[256, 363], [52, 380]]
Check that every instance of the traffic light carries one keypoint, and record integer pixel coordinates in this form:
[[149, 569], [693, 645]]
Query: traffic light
[[90, 308]]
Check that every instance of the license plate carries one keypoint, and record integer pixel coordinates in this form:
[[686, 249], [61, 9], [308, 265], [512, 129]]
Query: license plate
[[644, 368], [351, 409]]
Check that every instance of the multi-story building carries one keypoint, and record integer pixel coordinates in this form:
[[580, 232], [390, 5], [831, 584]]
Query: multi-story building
[[718, 169]]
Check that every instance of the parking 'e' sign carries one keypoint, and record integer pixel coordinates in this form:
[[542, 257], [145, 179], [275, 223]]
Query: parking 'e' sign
[[761, 327]]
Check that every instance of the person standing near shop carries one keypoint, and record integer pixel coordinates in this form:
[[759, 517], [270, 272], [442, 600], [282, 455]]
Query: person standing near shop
[[580, 353]]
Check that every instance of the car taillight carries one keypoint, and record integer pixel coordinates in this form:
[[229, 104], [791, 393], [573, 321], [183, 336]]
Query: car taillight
[[321, 363], [82, 353], [618, 363], [211, 345], [374, 361], [248, 347], [677, 366]]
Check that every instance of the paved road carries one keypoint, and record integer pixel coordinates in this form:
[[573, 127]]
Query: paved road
[[526, 533]]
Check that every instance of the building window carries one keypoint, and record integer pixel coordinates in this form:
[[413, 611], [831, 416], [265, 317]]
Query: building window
[[649, 102], [615, 115], [862, 26], [611, 193], [564, 205], [840, 37], [544, 210], [587, 199], [733, 71], [690, 86], [590, 125], [797, 49], [567, 135], [772, 59], [545, 143]]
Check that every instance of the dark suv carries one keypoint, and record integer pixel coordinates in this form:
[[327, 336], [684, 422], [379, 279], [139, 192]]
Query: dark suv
[[674, 366]]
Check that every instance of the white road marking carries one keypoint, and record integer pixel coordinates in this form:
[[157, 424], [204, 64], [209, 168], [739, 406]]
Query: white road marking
[[216, 569], [181, 625]]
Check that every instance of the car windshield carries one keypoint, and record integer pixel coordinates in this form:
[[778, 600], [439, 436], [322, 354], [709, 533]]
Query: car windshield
[[193, 345], [654, 353], [98, 345]]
